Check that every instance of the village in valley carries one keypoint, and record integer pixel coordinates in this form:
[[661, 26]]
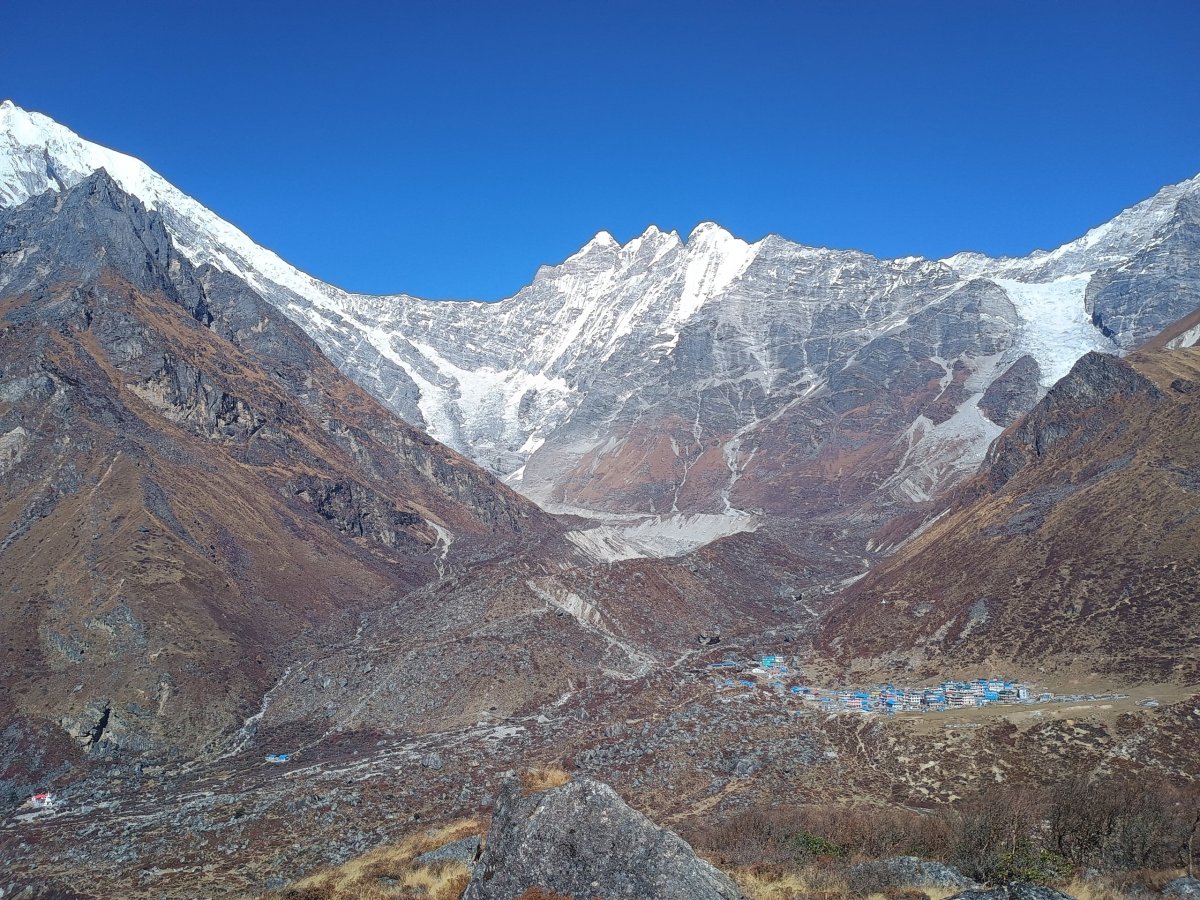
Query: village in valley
[[772, 673]]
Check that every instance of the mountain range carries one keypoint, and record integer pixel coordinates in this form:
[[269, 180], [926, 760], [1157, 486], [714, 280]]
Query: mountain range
[[673, 391], [244, 510]]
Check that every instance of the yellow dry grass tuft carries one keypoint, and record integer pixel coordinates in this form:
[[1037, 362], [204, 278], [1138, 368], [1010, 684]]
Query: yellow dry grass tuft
[[542, 778], [1082, 889], [390, 873], [772, 883], [763, 882]]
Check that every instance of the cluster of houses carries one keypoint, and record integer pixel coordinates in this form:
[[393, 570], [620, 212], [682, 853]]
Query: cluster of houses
[[772, 673]]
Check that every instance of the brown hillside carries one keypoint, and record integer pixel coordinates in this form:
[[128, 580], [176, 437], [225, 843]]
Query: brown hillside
[[1076, 546]]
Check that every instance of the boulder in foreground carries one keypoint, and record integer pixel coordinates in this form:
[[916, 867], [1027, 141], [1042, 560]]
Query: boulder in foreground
[[584, 841]]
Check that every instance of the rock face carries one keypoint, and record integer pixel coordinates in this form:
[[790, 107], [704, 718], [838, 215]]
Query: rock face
[[1013, 393], [1185, 886], [911, 871], [465, 851], [1135, 300], [583, 841]]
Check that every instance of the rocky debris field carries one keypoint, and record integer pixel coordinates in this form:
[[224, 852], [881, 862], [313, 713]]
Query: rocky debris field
[[239, 825]]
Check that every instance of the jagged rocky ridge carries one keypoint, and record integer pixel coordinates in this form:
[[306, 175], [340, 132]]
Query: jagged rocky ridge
[[681, 390]]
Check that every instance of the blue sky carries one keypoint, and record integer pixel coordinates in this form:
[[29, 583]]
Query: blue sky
[[448, 149]]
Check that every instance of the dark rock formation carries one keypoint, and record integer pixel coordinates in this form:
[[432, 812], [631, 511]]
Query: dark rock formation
[[1074, 407], [465, 851], [1012, 394], [582, 840]]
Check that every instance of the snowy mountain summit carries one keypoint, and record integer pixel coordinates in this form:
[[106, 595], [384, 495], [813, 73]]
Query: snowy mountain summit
[[682, 389]]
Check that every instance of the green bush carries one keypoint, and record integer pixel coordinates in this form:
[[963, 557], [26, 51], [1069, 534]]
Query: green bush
[[805, 844], [1025, 862]]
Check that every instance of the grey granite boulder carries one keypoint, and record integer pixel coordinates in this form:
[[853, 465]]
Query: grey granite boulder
[[1016, 890], [465, 850], [909, 871], [583, 841], [1183, 887]]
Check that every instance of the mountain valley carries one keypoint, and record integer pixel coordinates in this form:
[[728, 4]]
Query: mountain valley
[[292, 573]]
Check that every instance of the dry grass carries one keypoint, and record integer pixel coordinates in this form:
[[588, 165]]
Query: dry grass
[[1119, 886], [1086, 889], [814, 883], [542, 778], [772, 883], [390, 873]]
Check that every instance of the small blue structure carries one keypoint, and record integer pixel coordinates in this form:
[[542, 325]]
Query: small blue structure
[[278, 757], [768, 662]]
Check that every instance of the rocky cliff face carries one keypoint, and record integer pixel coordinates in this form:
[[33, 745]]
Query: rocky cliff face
[[685, 390]]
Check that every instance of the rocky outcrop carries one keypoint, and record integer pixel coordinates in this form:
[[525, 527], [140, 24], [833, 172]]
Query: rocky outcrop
[[184, 393], [908, 871], [1012, 394], [465, 851], [360, 512], [1184, 887], [583, 841], [1017, 890], [1078, 407]]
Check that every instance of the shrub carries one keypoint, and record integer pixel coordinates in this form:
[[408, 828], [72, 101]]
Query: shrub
[[1026, 862], [806, 845]]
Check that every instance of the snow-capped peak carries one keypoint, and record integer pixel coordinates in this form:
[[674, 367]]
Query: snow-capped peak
[[592, 341], [1100, 247], [37, 155], [708, 231], [603, 241], [715, 259]]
